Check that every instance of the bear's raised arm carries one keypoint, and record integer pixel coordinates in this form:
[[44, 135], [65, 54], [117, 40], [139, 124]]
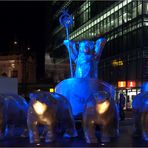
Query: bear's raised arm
[[71, 47], [100, 43]]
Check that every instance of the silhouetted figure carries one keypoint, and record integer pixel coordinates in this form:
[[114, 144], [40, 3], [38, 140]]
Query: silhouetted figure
[[121, 106]]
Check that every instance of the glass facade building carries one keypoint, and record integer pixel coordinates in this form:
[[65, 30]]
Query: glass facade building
[[125, 26]]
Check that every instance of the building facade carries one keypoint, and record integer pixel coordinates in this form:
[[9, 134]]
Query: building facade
[[17, 66], [124, 24]]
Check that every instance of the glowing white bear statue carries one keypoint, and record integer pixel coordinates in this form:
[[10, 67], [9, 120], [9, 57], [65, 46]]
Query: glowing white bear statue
[[100, 109], [50, 110]]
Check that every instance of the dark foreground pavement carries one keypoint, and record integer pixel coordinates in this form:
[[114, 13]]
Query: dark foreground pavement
[[125, 139]]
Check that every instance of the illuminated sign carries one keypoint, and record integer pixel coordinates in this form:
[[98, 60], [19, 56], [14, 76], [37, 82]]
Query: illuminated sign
[[117, 63], [121, 84], [51, 90], [131, 84]]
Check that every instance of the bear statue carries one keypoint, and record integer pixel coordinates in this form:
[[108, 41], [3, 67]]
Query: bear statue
[[86, 56], [51, 110], [100, 109], [13, 113], [140, 107]]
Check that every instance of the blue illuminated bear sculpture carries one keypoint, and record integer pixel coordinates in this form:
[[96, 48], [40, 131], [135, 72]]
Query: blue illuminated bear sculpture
[[140, 106], [13, 113], [81, 89], [50, 110], [85, 81]]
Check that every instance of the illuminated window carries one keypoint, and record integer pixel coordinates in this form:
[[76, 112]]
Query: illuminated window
[[140, 9], [120, 20], [134, 12], [101, 18], [112, 10], [104, 16], [108, 13], [124, 2], [129, 1], [89, 25], [120, 5], [139, 25], [145, 23], [116, 22], [125, 17], [131, 84], [121, 84], [116, 63], [86, 27], [116, 8], [98, 20]]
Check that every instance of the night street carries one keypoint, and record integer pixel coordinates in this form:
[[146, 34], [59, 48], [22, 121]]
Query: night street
[[124, 140], [74, 68]]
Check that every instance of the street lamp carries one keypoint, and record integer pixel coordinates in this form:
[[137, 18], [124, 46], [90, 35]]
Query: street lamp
[[28, 48], [15, 42]]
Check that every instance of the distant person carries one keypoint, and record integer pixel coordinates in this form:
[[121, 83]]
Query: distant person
[[128, 104], [121, 106], [86, 57]]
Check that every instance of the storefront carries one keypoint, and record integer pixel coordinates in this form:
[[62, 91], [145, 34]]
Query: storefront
[[129, 89]]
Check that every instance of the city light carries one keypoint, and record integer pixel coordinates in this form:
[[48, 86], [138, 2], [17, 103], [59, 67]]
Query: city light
[[121, 84], [51, 90], [116, 63], [131, 84], [13, 65], [102, 107], [15, 42]]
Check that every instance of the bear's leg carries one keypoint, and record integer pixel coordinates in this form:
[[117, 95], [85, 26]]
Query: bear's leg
[[1, 126], [3, 122], [50, 135], [9, 130], [25, 133], [105, 133], [144, 123], [89, 131], [69, 125], [137, 125], [43, 134], [33, 131]]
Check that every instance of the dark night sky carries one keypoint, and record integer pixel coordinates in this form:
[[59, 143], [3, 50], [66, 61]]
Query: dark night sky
[[28, 23], [25, 21]]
